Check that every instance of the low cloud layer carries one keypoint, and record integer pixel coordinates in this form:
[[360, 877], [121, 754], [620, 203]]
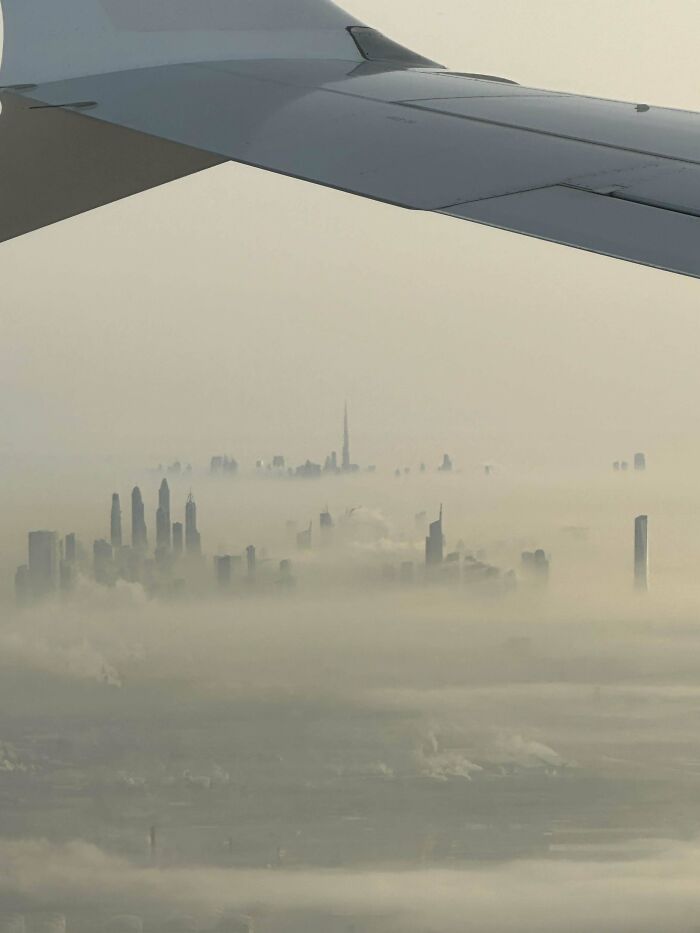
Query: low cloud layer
[[637, 894]]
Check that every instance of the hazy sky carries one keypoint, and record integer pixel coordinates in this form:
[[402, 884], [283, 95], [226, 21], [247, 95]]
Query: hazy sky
[[238, 309]]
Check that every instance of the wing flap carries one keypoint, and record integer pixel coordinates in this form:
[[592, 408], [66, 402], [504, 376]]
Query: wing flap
[[598, 223]]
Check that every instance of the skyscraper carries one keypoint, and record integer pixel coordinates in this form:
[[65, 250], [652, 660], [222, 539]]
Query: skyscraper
[[346, 441], [251, 560], [22, 585], [434, 543], [70, 548], [115, 523], [163, 517], [640, 462], [326, 523], [178, 538], [43, 562], [193, 543], [641, 553], [224, 568], [139, 535], [103, 562]]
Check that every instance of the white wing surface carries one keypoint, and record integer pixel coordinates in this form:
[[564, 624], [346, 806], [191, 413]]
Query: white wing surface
[[117, 96]]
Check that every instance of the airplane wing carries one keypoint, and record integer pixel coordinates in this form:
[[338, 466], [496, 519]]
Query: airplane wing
[[106, 98]]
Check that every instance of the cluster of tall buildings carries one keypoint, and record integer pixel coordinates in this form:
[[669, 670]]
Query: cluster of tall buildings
[[278, 466], [53, 562], [639, 462]]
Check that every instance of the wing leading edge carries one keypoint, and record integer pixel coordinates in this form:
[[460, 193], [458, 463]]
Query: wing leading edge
[[613, 178]]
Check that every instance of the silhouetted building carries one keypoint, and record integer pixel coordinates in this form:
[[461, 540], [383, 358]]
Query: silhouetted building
[[434, 543], [178, 538], [488, 469], [43, 563], [23, 591], [251, 561], [115, 523], [616, 466], [535, 566], [304, 538], [193, 541], [624, 466], [331, 464], [230, 466], [225, 465], [640, 462], [103, 564], [224, 571], [139, 535], [446, 465], [326, 523], [278, 462], [286, 578], [67, 575], [163, 526], [309, 470], [541, 566], [641, 553], [70, 548]]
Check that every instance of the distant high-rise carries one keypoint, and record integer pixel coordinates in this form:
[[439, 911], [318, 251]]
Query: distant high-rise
[[115, 523], [22, 586], [641, 553], [446, 465], [346, 441], [193, 543], [434, 543], [163, 528], [640, 462], [223, 567], [178, 538], [326, 523], [139, 535], [43, 562], [103, 564], [70, 548], [251, 560], [304, 538]]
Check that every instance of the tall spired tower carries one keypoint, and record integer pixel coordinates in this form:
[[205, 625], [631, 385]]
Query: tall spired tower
[[193, 544], [139, 537], [346, 441], [115, 523], [163, 517]]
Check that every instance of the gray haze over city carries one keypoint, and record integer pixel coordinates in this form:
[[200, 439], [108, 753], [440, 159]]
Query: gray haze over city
[[329, 735]]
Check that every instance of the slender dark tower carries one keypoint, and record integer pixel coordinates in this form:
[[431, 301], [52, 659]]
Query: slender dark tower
[[139, 536], [115, 523], [193, 543], [346, 441], [163, 528], [641, 553], [434, 543]]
